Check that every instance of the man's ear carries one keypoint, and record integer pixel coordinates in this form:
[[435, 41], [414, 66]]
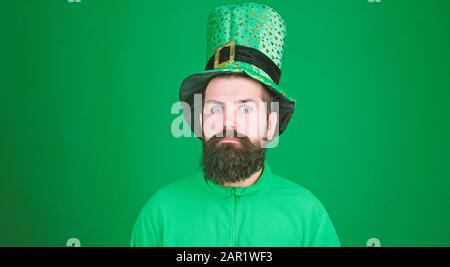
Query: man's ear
[[272, 123]]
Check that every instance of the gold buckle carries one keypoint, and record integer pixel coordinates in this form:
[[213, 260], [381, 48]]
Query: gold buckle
[[232, 46]]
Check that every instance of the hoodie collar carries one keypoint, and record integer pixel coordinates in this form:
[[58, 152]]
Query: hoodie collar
[[262, 182]]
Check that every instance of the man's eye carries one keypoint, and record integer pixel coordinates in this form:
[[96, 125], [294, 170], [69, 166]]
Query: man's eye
[[216, 109], [246, 109]]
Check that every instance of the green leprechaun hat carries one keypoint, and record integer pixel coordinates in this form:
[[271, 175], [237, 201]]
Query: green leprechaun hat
[[242, 38]]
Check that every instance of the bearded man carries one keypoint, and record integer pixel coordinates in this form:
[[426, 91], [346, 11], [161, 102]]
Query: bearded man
[[236, 200]]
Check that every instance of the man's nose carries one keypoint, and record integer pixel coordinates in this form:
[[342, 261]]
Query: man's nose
[[229, 118]]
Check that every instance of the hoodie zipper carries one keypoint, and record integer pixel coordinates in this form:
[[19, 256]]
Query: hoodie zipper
[[234, 216]]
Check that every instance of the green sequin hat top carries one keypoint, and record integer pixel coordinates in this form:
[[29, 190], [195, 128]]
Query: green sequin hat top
[[246, 38]]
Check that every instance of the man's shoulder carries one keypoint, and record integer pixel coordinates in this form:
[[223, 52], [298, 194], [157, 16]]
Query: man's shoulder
[[289, 186]]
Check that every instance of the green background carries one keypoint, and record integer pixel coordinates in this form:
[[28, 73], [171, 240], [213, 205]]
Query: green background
[[86, 91]]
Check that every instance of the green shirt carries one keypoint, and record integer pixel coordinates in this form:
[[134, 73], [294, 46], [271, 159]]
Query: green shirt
[[274, 211]]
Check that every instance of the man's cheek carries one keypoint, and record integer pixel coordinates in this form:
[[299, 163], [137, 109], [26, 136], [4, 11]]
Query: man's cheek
[[212, 125], [249, 125]]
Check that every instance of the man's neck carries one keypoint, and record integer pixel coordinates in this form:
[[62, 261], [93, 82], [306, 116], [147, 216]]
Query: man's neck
[[248, 181]]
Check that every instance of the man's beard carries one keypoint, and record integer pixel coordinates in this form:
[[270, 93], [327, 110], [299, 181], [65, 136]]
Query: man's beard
[[224, 162]]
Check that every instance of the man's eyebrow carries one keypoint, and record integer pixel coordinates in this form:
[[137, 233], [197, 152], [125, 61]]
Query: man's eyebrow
[[214, 101], [239, 101], [245, 100]]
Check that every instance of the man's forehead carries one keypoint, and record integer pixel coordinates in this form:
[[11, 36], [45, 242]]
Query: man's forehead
[[232, 84], [234, 93]]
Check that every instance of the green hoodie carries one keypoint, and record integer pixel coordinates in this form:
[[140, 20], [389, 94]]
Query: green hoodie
[[195, 212]]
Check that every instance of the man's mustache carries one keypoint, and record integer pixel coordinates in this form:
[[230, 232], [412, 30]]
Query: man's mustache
[[230, 133]]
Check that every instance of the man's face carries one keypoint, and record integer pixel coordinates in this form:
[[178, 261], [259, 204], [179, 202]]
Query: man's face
[[234, 124], [236, 103]]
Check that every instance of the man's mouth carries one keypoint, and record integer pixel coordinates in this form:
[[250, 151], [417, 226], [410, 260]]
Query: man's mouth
[[229, 140]]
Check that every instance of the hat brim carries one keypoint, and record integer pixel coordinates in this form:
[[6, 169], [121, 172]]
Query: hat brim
[[196, 83]]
